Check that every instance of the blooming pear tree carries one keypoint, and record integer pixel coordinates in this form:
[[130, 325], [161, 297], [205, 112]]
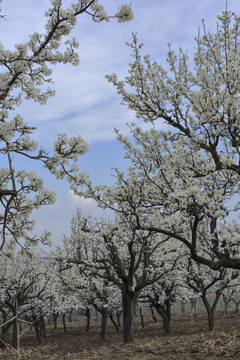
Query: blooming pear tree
[[26, 73], [77, 289], [25, 286], [106, 299], [72, 291], [129, 258], [199, 101], [169, 289], [171, 190], [202, 280], [231, 295]]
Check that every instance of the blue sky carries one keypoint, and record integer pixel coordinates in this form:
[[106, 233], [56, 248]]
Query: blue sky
[[85, 103]]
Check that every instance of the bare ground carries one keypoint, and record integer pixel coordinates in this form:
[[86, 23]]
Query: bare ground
[[189, 340]]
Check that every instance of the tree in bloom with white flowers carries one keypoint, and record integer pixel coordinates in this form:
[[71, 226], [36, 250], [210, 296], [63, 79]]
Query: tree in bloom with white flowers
[[121, 254], [80, 285], [231, 296], [24, 73], [209, 285], [171, 190], [170, 288], [192, 173], [25, 289]]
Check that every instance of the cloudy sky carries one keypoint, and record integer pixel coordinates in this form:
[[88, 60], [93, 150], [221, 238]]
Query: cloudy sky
[[85, 103]]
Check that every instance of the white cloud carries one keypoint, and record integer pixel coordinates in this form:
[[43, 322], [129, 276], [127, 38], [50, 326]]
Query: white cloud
[[80, 201]]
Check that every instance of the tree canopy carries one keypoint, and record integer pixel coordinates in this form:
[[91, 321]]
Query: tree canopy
[[26, 73], [183, 181]]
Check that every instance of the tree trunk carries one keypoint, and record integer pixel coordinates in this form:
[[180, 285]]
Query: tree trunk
[[114, 322], [88, 314], [142, 318], [193, 308], [182, 309], [37, 333], [55, 317], [14, 334], [236, 307], [104, 323], [153, 315], [166, 325], [44, 329], [165, 316], [128, 305], [4, 330], [64, 323], [119, 313], [226, 305], [4, 336], [210, 313]]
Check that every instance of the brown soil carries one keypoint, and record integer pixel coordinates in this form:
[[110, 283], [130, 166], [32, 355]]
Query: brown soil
[[189, 340]]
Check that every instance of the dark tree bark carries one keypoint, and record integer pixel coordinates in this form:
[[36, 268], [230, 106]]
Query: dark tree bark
[[165, 317], [70, 316], [14, 334], [104, 323], [210, 312], [141, 317], [88, 315], [43, 322], [211, 309], [55, 318], [128, 305], [115, 323], [37, 333]]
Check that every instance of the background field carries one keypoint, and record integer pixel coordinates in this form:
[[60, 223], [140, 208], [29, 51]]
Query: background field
[[188, 340]]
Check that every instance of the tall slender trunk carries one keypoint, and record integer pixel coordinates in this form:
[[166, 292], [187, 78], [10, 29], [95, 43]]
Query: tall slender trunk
[[88, 314]]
